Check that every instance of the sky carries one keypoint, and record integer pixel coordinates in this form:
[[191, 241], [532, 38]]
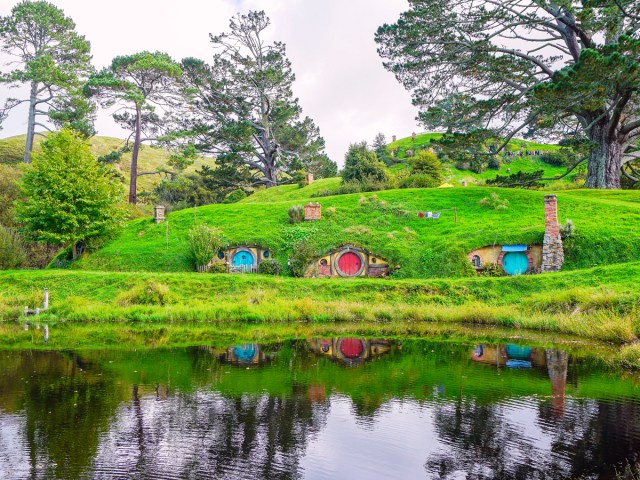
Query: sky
[[340, 80]]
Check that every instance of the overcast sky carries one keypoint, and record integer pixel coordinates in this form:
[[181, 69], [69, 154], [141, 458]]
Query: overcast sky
[[341, 82]]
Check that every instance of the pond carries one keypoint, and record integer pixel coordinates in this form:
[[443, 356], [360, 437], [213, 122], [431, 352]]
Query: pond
[[316, 409]]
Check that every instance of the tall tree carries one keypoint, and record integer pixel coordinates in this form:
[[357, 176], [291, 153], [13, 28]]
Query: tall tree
[[534, 67], [68, 196], [145, 86], [243, 111], [50, 57]]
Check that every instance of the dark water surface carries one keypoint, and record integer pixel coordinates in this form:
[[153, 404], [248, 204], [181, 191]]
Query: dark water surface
[[316, 409]]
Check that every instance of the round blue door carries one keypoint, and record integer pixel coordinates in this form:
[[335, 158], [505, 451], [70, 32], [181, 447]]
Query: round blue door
[[243, 259], [515, 263]]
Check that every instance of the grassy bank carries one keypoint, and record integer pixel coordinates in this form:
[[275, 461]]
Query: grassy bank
[[387, 224], [574, 303]]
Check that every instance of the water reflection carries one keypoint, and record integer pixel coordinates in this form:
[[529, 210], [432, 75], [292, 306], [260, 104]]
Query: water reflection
[[421, 410]]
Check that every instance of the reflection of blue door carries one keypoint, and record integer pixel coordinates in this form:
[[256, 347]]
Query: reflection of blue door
[[243, 259], [245, 353], [515, 263]]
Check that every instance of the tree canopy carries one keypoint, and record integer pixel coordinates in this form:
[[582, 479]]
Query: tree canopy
[[537, 68], [68, 196], [145, 86], [361, 165], [48, 55], [243, 112]]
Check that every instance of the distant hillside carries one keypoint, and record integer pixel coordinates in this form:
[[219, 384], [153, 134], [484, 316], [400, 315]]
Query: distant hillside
[[150, 158]]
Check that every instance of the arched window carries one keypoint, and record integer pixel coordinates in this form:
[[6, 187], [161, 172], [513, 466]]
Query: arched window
[[477, 262]]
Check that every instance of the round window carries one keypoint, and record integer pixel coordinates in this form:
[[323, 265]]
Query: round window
[[266, 254], [220, 255]]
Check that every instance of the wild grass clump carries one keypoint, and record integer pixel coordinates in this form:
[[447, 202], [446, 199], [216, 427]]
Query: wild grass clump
[[146, 293], [12, 249], [296, 214], [494, 202], [582, 300]]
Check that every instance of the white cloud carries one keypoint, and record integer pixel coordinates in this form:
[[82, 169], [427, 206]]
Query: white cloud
[[341, 82]]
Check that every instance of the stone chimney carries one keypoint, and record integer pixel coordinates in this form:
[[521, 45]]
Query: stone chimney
[[158, 213], [309, 178], [393, 138], [312, 211], [552, 251], [413, 136]]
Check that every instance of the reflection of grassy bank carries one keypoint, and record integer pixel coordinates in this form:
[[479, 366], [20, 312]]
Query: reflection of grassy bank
[[573, 303], [128, 336]]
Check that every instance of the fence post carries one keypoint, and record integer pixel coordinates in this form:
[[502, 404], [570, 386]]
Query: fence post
[[46, 299]]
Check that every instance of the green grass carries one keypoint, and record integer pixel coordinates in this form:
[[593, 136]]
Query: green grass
[[607, 228], [601, 303]]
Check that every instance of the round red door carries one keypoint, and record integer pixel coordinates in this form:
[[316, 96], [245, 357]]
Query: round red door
[[351, 347], [349, 263]]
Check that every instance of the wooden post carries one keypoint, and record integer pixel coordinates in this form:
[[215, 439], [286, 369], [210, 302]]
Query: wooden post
[[26, 311], [46, 334], [455, 214], [46, 299]]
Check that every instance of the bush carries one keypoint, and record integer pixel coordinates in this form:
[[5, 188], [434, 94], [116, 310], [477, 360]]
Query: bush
[[9, 193], [304, 252], [219, 267], [235, 196], [148, 293], [12, 250], [204, 243], [568, 230], [426, 164], [560, 158], [495, 202], [419, 181], [362, 165], [492, 270], [269, 266], [296, 214], [494, 162]]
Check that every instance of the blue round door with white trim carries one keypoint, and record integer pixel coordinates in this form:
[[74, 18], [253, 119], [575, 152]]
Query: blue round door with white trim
[[515, 263], [243, 259]]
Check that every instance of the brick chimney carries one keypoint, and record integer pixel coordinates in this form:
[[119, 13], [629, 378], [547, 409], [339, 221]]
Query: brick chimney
[[158, 213], [312, 211], [309, 178], [552, 250]]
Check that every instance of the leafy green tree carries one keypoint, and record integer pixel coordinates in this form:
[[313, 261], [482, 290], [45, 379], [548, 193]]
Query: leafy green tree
[[540, 68], [68, 196], [48, 55], [379, 146], [361, 164], [243, 112], [142, 85]]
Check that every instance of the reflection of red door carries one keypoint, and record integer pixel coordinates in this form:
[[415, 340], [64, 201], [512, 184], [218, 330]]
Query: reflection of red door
[[351, 347], [349, 263]]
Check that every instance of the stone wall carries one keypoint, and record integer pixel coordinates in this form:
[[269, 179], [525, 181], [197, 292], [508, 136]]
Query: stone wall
[[552, 250]]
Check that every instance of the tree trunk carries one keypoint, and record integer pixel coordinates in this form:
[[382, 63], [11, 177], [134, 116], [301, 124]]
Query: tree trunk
[[133, 180], [31, 127], [605, 159], [74, 250]]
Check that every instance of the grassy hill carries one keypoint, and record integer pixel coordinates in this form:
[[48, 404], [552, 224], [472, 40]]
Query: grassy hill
[[149, 159], [607, 223]]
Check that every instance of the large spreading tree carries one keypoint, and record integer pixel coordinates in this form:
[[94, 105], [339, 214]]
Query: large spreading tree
[[145, 87], [243, 112], [531, 67], [53, 60]]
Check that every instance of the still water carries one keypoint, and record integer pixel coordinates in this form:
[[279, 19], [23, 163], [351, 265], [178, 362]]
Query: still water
[[316, 409]]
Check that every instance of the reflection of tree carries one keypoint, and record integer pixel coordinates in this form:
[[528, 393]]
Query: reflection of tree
[[66, 410]]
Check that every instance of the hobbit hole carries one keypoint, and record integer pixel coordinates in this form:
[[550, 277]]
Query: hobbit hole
[[348, 261]]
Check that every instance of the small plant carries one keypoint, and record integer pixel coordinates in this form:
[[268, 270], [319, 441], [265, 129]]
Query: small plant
[[12, 249], [235, 196], [296, 214], [204, 242], [148, 293], [491, 270], [269, 266], [568, 230], [219, 267], [330, 212], [302, 255], [494, 202]]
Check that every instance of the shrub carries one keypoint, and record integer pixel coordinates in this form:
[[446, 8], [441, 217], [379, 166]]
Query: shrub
[[492, 270], [419, 181], [361, 164], [426, 164], [304, 252], [296, 214], [235, 196], [567, 230], [560, 158], [9, 193], [494, 162], [495, 202], [219, 267], [269, 266], [12, 250], [330, 212], [204, 243], [147, 293]]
